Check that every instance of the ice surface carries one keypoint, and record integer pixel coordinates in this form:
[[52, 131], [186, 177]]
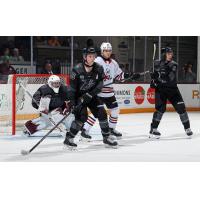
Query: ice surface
[[135, 145]]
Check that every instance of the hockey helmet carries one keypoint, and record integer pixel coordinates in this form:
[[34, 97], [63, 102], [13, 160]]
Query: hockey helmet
[[166, 50], [54, 82], [106, 46]]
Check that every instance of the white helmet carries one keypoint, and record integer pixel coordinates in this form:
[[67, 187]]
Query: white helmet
[[106, 46], [51, 82]]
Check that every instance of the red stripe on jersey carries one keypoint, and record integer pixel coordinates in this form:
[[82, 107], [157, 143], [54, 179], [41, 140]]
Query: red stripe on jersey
[[90, 121]]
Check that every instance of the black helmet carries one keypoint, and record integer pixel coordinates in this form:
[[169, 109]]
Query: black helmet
[[89, 50], [164, 51]]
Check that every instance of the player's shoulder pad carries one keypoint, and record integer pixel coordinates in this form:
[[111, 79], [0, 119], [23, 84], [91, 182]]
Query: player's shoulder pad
[[45, 89], [64, 88], [98, 59], [114, 62], [98, 67], [77, 67], [76, 70], [156, 62], [173, 63]]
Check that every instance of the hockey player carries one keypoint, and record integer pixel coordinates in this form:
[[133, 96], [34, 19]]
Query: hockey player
[[86, 81], [165, 84], [52, 101], [112, 72]]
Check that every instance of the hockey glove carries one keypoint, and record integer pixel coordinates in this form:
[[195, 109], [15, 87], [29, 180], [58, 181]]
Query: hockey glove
[[135, 76], [76, 109], [67, 107]]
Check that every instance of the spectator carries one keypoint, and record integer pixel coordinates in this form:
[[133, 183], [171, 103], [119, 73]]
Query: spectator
[[41, 40], [16, 56], [188, 75], [6, 52], [5, 70], [53, 41], [47, 69]]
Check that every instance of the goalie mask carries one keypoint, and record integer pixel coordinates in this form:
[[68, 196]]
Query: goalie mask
[[54, 83]]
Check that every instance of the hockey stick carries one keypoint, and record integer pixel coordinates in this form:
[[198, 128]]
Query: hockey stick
[[153, 59], [154, 53], [25, 152], [30, 95], [127, 79]]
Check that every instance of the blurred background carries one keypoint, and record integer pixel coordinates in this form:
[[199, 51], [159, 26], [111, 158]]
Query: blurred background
[[58, 54]]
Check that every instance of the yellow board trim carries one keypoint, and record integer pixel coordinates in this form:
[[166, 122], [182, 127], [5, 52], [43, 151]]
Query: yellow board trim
[[122, 111], [146, 110]]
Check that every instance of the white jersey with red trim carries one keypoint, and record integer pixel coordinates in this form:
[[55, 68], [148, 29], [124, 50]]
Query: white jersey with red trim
[[112, 71]]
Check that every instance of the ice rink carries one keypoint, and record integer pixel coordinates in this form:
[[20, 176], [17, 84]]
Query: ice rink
[[134, 146]]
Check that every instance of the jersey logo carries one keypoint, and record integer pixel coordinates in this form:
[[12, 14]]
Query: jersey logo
[[87, 85], [82, 77], [72, 76], [107, 75]]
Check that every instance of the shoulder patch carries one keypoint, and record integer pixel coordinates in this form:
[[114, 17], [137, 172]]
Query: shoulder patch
[[72, 75]]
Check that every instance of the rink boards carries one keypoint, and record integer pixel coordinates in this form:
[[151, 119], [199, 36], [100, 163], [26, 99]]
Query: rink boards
[[131, 98], [141, 98]]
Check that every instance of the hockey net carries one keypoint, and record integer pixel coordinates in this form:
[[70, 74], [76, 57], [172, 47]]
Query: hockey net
[[15, 103]]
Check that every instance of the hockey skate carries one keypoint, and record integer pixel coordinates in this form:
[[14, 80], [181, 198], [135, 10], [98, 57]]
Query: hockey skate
[[189, 132], [69, 143], [85, 136], [110, 141], [115, 133], [154, 133], [26, 132]]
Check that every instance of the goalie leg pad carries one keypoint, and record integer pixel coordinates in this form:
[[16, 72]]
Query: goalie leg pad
[[31, 127], [56, 117]]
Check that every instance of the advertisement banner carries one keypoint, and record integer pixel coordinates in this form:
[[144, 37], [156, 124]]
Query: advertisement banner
[[142, 96]]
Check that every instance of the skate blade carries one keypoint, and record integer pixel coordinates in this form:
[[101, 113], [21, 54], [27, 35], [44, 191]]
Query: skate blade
[[25, 135], [119, 138], [111, 147], [151, 136], [82, 139], [70, 148], [25, 132], [189, 136]]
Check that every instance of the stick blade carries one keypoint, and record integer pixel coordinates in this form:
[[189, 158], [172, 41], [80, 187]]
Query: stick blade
[[24, 152]]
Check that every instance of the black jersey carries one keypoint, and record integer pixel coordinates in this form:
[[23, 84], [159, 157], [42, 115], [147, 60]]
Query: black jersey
[[165, 73], [57, 99], [82, 82]]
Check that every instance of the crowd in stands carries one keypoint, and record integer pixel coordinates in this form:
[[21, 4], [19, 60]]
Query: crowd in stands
[[10, 54]]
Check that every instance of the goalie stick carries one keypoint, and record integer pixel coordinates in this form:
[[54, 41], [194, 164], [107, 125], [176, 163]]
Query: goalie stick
[[25, 152]]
